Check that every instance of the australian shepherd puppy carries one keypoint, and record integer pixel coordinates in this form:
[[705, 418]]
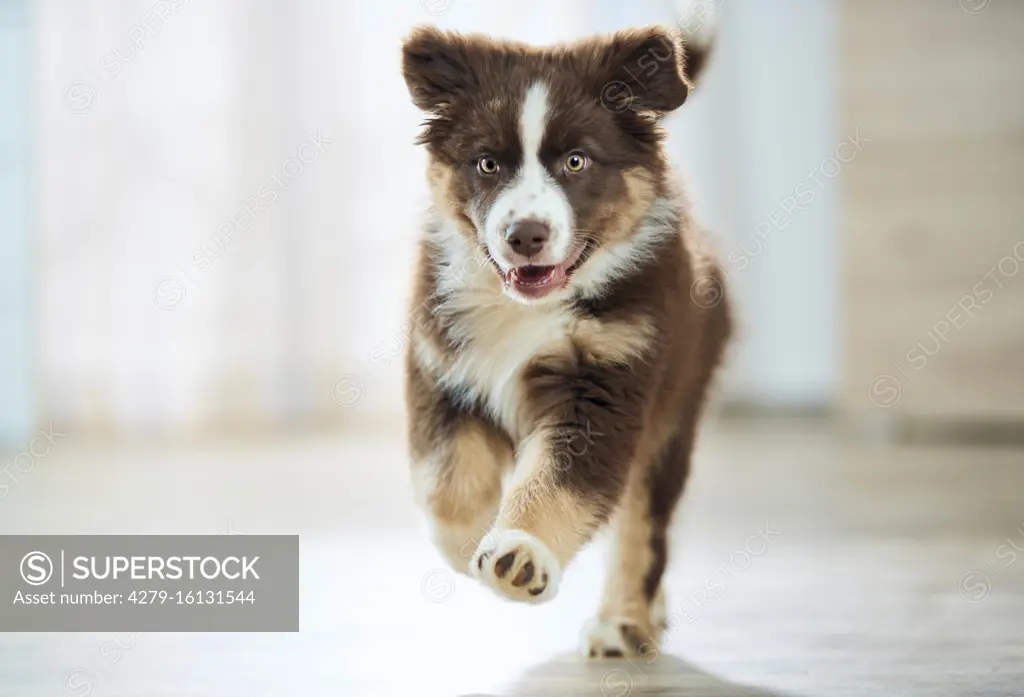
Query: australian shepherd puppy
[[567, 314]]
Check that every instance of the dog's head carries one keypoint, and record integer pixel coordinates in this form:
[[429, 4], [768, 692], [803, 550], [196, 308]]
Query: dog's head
[[546, 159]]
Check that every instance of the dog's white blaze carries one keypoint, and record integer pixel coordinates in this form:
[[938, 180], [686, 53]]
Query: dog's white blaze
[[533, 193]]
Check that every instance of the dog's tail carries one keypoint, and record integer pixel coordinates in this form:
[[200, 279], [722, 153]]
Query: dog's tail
[[697, 27]]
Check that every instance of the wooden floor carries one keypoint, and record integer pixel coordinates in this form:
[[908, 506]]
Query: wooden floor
[[837, 569]]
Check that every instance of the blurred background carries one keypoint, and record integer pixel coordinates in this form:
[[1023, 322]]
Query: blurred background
[[210, 208], [209, 212]]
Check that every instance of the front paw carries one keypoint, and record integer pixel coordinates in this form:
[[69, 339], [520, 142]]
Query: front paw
[[618, 637], [517, 565]]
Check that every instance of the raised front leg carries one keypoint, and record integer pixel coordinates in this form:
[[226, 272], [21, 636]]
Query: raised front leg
[[584, 424], [457, 464]]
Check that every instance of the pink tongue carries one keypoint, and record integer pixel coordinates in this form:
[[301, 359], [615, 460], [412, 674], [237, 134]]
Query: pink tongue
[[536, 275], [536, 281], [533, 274]]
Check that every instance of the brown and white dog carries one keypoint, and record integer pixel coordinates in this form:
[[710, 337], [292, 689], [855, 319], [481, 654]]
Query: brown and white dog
[[567, 316]]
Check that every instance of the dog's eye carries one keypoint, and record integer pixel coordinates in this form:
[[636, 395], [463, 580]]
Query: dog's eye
[[487, 165], [576, 162]]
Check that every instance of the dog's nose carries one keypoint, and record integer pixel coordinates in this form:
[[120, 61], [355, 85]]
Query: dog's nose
[[527, 237]]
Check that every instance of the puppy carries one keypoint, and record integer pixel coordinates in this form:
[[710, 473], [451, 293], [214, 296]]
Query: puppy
[[567, 317]]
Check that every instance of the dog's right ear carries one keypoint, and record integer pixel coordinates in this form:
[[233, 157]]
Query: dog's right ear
[[437, 66]]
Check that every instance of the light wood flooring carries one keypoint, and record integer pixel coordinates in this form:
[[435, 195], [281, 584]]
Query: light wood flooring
[[889, 571]]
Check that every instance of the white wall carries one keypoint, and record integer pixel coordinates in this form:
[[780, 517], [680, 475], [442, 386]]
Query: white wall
[[760, 125], [133, 182], [17, 299]]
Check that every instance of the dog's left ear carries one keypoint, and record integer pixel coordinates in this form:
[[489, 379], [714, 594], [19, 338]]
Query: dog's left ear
[[637, 69], [438, 67]]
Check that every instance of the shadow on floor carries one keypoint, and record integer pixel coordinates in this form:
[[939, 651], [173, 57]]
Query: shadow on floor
[[567, 675]]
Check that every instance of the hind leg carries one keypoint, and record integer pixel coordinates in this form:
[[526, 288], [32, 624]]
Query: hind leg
[[632, 613]]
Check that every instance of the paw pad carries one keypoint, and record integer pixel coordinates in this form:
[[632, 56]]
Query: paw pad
[[518, 566]]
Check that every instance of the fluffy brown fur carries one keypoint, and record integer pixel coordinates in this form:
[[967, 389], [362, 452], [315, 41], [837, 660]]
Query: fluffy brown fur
[[586, 401]]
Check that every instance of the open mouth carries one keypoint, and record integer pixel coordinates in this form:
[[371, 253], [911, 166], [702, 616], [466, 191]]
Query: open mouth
[[534, 281]]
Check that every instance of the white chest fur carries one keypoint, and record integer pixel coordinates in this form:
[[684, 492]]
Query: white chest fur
[[499, 338]]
